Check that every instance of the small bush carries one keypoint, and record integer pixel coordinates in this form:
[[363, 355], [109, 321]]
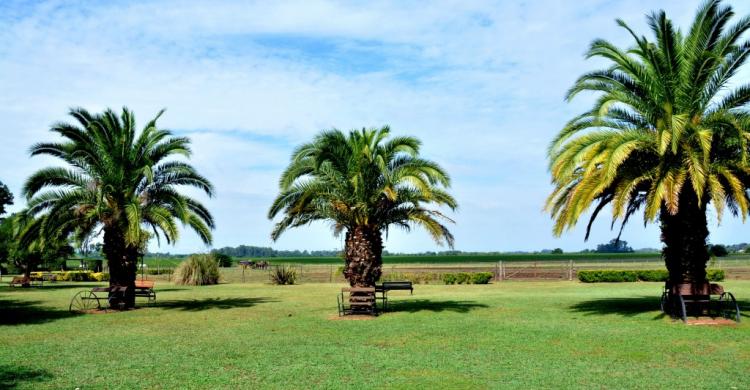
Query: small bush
[[653, 275], [715, 275], [482, 277], [615, 276], [159, 271], [100, 276], [449, 278], [222, 259], [197, 270], [468, 278], [283, 275]]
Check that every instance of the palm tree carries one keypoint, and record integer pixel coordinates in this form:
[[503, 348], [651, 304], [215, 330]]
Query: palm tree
[[668, 133], [120, 182], [363, 184]]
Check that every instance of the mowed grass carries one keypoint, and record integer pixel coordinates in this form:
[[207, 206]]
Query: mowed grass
[[504, 335]]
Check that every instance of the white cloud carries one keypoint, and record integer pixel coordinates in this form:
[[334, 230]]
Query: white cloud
[[481, 83]]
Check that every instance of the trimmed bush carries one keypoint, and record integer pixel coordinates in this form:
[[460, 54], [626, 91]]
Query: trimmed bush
[[416, 277], [616, 276], [283, 275], [197, 270], [468, 278], [482, 278]]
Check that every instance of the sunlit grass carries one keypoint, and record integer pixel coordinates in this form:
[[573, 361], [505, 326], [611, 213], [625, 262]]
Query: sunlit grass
[[510, 334]]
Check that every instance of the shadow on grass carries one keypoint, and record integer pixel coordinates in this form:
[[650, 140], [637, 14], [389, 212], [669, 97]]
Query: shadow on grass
[[413, 306], [16, 312], [627, 307], [50, 286], [11, 376], [211, 303]]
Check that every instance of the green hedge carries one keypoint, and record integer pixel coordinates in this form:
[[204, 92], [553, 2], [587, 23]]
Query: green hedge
[[616, 276], [468, 278]]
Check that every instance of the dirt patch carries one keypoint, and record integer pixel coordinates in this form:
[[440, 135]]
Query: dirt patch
[[353, 317], [711, 321]]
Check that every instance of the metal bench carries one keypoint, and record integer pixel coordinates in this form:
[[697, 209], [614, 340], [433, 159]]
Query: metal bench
[[390, 286], [357, 300], [695, 298]]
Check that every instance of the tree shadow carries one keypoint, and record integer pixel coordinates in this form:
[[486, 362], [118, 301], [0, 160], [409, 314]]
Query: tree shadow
[[413, 306], [629, 307], [16, 312], [11, 376], [211, 303], [626, 307]]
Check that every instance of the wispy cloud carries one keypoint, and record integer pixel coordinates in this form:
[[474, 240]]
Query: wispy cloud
[[481, 83]]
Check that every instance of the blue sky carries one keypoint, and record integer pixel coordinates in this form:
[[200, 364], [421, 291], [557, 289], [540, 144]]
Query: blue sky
[[481, 83]]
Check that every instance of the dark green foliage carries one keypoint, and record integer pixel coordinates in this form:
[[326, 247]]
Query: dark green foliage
[[468, 278], [616, 276], [414, 277], [283, 275], [718, 250], [557, 251], [6, 197], [614, 246], [222, 259]]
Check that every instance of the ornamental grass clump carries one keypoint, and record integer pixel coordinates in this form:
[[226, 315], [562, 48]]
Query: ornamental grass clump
[[197, 270], [282, 275]]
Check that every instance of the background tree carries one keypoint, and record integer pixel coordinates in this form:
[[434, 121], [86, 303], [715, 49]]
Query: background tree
[[615, 245], [718, 250], [362, 184], [119, 182], [6, 197], [27, 248], [668, 133]]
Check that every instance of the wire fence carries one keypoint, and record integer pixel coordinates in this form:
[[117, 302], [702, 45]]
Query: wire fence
[[433, 273]]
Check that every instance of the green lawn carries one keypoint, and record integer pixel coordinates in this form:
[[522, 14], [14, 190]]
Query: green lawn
[[511, 334]]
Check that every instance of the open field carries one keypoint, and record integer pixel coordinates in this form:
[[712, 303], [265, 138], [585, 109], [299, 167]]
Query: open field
[[511, 335]]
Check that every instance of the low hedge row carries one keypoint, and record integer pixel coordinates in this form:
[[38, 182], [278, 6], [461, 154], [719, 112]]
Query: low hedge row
[[73, 276], [468, 278], [616, 276]]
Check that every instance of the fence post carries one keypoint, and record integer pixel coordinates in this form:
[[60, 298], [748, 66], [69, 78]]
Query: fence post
[[570, 270], [330, 275], [497, 271]]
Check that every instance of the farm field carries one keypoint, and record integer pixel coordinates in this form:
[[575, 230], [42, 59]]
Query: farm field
[[510, 335]]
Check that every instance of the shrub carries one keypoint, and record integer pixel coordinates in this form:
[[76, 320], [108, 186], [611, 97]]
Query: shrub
[[159, 271], [607, 276], [449, 278], [468, 278], [197, 270], [283, 275], [482, 277], [100, 276], [414, 277], [653, 275], [614, 276], [715, 275], [222, 259], [463, 278]]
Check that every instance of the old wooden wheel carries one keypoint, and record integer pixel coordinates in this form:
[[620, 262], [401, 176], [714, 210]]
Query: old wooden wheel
[[84, 301]]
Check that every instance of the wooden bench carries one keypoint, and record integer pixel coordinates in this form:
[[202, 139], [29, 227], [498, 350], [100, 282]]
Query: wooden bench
[[357, 300], [23, 281], [695, 298], [145, 289]]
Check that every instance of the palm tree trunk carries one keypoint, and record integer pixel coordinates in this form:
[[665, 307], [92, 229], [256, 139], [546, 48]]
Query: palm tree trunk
[[684, 236], [363, 256], [122, 264]]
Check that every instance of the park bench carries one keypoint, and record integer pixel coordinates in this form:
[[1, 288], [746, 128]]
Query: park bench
[[145, 289], [24, 281], [357, 300], [87, 300], [696, 299], [390, 286]]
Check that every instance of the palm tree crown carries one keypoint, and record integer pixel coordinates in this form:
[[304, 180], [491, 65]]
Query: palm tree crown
[[363, 180], [118, 179], [669, 126]]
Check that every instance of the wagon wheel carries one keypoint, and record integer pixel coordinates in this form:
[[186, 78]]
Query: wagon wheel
[[728, 307], [84, 301]]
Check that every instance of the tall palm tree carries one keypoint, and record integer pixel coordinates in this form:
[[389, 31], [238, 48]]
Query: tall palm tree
[[668, 133], [362, 184], [118, 181]]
